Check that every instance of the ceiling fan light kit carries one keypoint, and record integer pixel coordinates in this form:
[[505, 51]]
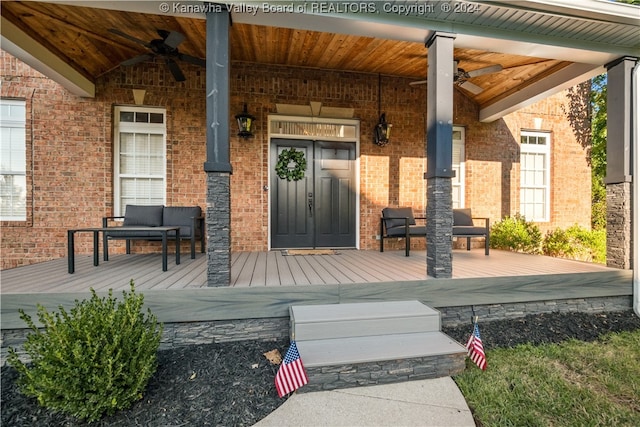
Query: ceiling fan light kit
[[166, 47], [461, 77]]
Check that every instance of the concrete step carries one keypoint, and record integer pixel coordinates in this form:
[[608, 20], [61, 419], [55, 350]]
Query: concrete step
[[317, 322], [357, 344], [354, 350]]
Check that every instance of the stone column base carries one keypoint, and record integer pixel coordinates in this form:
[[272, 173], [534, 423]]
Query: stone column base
[[619, 246], [218, 224], [439, 228]]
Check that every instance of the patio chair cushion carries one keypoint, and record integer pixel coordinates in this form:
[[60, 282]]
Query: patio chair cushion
[[466, 231], [397, 216], [147, 216], [414, 230], [463, 224], [181, 216], [462, 217]]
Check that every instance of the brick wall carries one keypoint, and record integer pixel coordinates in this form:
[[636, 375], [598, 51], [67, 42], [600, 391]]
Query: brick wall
[[66, 164], [69, 138]]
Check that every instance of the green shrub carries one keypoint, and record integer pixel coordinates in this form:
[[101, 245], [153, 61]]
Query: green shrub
[[576, 243], [557, 243], [516, 234], [93, 360], [598, 204]]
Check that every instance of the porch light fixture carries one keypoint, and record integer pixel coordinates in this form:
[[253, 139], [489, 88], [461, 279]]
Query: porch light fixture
[[245, 121], [382, 131]]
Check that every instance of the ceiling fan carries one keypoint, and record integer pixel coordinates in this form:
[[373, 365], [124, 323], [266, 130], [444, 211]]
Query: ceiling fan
[[165, 47], [461, 77]]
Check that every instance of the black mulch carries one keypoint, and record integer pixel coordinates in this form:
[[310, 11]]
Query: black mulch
[[231, 384]]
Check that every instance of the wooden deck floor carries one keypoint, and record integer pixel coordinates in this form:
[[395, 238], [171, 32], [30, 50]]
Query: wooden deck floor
[[272, 269]]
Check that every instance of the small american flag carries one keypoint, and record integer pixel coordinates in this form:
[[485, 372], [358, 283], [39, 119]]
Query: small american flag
[[475, 348], [291, 374]]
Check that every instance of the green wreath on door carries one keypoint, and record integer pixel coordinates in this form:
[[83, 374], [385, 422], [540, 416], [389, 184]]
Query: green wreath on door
[[285, 158]]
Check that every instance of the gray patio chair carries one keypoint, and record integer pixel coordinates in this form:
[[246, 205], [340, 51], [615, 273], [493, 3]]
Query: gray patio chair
[[463, 226], [400, 223]]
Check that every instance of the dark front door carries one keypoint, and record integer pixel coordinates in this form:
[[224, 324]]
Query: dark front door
[[320, 209]]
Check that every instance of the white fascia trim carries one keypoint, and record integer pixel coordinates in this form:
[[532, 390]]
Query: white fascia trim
[[561, 80], [599, 10], [29, 51]]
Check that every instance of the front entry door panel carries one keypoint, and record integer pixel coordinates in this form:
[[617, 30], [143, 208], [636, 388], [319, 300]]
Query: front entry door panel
[[291, 218], [335, 199], [320, 209]]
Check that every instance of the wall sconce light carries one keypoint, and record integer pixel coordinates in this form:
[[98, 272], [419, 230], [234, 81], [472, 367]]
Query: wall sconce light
[[245, 121], [382, 131]]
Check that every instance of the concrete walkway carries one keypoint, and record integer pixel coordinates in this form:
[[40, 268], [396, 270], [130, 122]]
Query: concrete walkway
[[435, 402]]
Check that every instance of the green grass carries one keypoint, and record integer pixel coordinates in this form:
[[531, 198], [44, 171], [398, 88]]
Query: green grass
[[569, 384]]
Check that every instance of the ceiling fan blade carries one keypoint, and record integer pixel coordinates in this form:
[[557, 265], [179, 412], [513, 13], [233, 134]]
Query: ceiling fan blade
[[175, 70], [128, 37], [137, 59], [192, 60], [485, 70], [173, 39], [474, 89], [418, 83]]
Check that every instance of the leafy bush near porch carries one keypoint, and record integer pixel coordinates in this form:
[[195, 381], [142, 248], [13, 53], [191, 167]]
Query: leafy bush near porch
[[515, 233], [93, 360], [576, 243]]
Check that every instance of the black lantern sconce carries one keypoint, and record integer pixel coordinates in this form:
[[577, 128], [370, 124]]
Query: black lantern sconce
[[382, 131], [245, 121]]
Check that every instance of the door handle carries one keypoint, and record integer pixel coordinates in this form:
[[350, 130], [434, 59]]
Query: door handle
[[310, 204]]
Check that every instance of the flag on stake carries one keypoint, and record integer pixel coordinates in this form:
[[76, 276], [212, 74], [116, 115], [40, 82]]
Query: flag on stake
[[475, 348], [291, 374]]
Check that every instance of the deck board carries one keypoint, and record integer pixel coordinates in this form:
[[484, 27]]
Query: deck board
[[273, 269], [297, 273], [285, 275]]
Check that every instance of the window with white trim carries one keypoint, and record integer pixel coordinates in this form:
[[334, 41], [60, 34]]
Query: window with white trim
[[13, 160], [535, 151], [140, 136], [457, 163]]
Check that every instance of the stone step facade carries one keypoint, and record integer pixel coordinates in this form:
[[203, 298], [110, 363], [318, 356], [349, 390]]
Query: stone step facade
[[350, 345]]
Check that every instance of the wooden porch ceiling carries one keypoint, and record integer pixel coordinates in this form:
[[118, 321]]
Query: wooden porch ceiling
[[81, 37]]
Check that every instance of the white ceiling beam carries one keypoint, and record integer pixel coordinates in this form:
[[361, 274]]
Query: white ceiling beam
[[561, 80], [22, 46]]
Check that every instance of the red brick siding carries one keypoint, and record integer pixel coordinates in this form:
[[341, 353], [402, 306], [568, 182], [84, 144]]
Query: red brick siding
[[71, 178]]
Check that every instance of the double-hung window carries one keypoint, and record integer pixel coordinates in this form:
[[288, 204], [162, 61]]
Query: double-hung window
[[140, 157], [13, 160], [535, 150]]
